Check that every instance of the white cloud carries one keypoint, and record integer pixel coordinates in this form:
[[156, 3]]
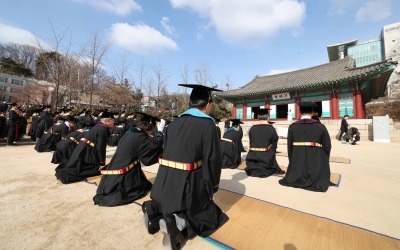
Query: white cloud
[[338, 7], [13, 34], [250, 21], [140, 38], [168, 28], [119, 7], [374, 11], [280, 71]]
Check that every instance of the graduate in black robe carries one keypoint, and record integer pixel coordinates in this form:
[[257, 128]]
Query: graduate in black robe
[[116, 134], [263, 140], [52, 136], [136, 147], [231, 146], [12, 125], [89, 155], [182, 202], [34, 123], [3, 120], [309, 147], [44, 123]]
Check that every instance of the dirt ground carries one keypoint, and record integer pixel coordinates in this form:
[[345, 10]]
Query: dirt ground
[[38, 212]]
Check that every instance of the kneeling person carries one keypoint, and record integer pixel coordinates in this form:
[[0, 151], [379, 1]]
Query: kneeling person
[[261, 159], [123, 180]]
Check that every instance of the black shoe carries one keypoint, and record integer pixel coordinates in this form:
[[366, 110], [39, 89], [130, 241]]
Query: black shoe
[[353, 143], [172, 236], [280, 172], [152, 223]]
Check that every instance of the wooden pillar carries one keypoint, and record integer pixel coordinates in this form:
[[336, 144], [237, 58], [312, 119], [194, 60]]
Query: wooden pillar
[[233, 111], [358, 105], [244, 111], [334, 106], [267, 104], [297, 108]]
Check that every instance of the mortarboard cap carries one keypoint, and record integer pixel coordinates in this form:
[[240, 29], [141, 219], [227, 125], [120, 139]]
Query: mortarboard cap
[[307, 107], [236, 122], [106, 114], [147, 118], [13, 104], [199, 92], [3, 107]]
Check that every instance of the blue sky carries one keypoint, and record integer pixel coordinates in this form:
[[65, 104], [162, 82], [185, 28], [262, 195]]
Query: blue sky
[[233, 40]]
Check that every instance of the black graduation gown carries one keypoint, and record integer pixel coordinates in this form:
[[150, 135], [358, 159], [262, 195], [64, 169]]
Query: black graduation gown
[[115, 190], [66, 146], [3, 126], [189, 139], [34, 123], [115, 135], [52, 136], [12, 126], [262, 163], [44, 123], [85, 160], [231, 152], [218, 131], [308, 166]]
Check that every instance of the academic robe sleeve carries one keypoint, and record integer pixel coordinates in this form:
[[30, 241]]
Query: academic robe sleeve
[[212, 158], [150, 149], [326, 142]]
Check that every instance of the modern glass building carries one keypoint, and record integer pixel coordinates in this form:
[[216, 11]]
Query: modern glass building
[[367, 53]]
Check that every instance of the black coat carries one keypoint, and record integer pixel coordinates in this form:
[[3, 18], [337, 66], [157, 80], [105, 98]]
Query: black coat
[[115, 135], [262, 163], [44, 123], [135, 145], [308, 166], [189, 139], [66, 146], [86, 159], [231, 152], [51, 137]]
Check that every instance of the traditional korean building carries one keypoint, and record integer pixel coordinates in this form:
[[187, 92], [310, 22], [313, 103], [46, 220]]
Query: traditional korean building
[[338, 87]]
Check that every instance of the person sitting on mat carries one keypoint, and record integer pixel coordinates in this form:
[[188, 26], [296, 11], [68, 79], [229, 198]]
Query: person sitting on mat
[[309, 147], [182, 198], [231, 146], [263, 140]]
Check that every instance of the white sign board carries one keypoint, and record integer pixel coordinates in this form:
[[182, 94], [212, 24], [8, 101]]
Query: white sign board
[[381, 128]]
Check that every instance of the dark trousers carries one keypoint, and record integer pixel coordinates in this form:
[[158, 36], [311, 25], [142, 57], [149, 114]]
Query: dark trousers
[[341, 134]]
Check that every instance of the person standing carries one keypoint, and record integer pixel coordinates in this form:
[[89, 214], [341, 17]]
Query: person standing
[[12, 124], [309, 147], [231, 146], [263, 140], [344, 126], [123, 180], [182, 202], [89, 155]]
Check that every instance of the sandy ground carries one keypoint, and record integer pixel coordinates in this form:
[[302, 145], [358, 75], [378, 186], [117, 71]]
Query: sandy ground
[[38, 212]]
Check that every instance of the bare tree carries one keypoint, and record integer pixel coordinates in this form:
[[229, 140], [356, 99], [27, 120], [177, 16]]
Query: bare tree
[[20, 53], [93, 53], [203, 75], [160, 85], [51, 66], [185, 80]]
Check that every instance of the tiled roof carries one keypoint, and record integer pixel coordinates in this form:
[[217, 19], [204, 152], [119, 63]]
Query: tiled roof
[[338, 71]]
